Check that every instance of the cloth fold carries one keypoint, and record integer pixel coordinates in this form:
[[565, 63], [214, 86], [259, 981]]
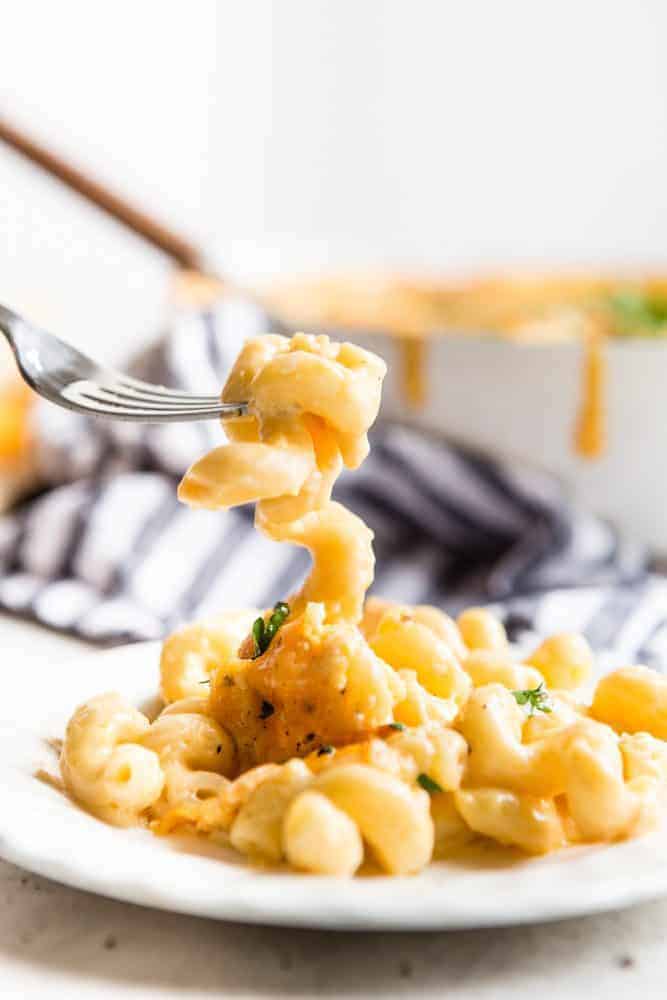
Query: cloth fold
[[106, 552]]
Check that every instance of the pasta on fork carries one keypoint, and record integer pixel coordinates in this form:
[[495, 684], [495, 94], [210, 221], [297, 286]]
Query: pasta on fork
[[332, 730]]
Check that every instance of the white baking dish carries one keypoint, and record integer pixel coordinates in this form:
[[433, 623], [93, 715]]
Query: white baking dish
[[521, 400]]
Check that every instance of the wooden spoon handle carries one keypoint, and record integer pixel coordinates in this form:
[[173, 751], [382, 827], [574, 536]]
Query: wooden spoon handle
[[150, 229]]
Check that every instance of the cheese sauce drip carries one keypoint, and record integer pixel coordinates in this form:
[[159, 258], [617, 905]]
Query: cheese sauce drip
[[591, 429], [413, 360], [310, 405]]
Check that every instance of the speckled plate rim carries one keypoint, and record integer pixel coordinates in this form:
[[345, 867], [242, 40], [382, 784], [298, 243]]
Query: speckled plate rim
[[41, 831]]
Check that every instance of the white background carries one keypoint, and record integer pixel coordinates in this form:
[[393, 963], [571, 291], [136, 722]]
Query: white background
[[287, 136]]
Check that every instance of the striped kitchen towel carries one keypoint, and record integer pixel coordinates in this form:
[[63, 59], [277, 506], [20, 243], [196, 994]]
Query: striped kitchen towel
[[106, 552]]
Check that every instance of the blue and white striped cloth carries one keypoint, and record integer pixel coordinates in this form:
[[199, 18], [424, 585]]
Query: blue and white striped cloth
[[106, 551]]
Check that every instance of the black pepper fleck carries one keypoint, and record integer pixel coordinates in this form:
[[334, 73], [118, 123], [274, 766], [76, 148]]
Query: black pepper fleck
[[110, 942], [266, 710], [405, 968], [228, 681], [626, 962], [218, 749]]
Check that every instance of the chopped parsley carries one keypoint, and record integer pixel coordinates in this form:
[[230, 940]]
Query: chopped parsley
[[638, 313], [327, 748], [266, 710], [428, 784], [536, 698], [399, 726], [227, 680], [264, 631]]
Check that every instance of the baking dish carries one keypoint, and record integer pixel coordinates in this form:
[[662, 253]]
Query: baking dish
[[536, 384]]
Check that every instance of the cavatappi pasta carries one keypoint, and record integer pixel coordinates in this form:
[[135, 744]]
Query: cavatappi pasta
[[333, 730]]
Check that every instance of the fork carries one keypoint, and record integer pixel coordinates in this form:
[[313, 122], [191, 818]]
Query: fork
[[65, 376]]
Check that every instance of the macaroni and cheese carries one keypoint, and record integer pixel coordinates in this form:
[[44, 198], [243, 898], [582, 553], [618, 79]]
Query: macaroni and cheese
[[332, 730]]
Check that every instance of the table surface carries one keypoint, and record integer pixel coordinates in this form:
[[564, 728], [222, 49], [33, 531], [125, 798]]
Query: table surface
[[58, 942]]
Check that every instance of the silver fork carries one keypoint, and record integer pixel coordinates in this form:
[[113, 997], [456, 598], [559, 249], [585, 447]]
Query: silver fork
[[68, 378]]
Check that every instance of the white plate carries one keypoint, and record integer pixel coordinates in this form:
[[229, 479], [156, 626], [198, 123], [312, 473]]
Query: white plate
[[45, 833]]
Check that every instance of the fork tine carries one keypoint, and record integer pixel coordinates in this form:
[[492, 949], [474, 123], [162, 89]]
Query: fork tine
[[94, 398], [131, 397], [141, 416], [93, 395], [159, 391], [90, 405]]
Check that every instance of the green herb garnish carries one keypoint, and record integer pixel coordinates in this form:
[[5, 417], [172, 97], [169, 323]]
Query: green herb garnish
[[264, 631], [428, 784], [397, 725], [537, 698], [637, 313]]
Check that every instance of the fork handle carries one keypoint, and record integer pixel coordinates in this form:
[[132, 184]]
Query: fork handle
[[8, 320]]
